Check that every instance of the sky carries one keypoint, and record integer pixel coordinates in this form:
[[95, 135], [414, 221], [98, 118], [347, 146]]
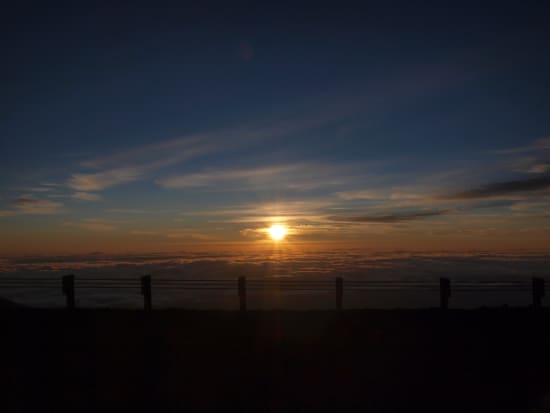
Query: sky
[[154, 127]]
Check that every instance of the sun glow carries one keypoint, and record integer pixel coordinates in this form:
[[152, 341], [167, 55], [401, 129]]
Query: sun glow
[[277, 232]]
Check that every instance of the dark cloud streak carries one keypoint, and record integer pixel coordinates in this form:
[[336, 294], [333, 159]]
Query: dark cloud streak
[[389, 218], [502, 189]]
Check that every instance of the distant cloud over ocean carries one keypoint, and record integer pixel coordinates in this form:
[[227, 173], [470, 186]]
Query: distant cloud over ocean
[[352, 264]]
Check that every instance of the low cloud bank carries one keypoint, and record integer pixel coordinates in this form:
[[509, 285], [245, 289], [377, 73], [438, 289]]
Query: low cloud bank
[[350, 264]]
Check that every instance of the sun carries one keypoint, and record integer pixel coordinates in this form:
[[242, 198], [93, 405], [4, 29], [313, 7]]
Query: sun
[[277, 232]]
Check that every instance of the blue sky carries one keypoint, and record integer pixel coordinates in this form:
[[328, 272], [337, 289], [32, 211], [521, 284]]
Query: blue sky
[[411, 124]]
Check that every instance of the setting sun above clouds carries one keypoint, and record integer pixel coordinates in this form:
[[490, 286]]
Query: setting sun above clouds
[[277, 232]]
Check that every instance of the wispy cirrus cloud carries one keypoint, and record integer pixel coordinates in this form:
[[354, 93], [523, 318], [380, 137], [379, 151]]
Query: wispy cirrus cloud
[[140, 162], [144, 161], [230, 176], [363, 194], [539, 168], [93, 224], [178, 234], [33, 206], [262, 212], [529, 164], [102, 180], [378, 195], [147, 161], [36, 189], [537, 145], [189, 235], [129, 211], [155, 154], [146, 233], [294, 177], [533, 158], [530, 206], [87, 196]]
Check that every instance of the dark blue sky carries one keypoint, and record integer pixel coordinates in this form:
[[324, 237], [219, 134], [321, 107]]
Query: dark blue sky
[[108, 107]]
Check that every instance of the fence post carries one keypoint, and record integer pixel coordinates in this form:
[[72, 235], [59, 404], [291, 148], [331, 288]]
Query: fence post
[[242, 293], [339, 292], [538, 292], [444, 293], [68, 290], [146, 292]]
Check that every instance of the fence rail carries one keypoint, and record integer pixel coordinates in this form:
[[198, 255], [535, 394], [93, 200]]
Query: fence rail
[[146, 284]]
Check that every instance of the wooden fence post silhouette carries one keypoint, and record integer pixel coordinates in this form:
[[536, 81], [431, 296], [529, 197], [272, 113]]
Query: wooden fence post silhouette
[[242, 293], [444, 293], [339, 292], [538, 292], [68, 290], [146, 291]]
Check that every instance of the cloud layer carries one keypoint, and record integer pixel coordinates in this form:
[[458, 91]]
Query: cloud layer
[[390, 218], [502, 189], [350, 263]]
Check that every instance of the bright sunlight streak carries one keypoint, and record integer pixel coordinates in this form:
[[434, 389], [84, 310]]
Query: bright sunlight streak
[[277, 232]]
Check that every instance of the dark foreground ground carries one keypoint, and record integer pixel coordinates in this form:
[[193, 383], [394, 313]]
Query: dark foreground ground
[[353, 361]]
